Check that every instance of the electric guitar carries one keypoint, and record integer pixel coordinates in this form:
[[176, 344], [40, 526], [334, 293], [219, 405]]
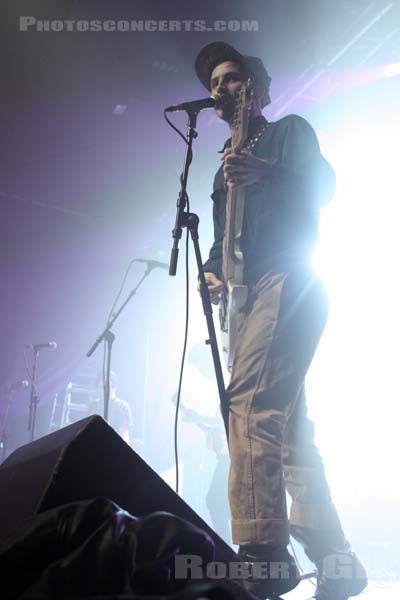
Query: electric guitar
[[234, 295]]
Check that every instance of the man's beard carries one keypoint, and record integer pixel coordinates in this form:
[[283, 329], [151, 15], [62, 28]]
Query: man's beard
[[226, 113]]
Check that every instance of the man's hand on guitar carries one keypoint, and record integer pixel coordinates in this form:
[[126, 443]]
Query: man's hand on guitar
[[215, 286], [243, 169]]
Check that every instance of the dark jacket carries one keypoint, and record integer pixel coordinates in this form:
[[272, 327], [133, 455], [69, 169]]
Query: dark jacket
[[282, 211]]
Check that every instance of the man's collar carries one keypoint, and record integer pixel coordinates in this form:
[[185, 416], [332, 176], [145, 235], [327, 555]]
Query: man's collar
[[255, 123]]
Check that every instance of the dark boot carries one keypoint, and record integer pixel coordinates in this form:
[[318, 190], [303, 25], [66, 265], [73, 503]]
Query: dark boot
[[340, 576], [340, 573], [272, 570]]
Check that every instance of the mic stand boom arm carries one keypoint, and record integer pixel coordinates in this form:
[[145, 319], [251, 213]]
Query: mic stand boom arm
[[108, 336], [191, 221]]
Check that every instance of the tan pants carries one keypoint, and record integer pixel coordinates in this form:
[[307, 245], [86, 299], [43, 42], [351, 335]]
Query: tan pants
[[271, 439]]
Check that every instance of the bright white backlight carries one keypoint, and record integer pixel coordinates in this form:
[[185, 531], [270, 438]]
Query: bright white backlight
[[354, 383], [392, 69]]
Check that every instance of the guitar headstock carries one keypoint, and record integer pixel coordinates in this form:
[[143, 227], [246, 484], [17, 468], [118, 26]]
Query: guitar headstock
[[241, 114]]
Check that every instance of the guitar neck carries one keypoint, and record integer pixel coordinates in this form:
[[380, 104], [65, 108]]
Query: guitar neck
[[232, 256]]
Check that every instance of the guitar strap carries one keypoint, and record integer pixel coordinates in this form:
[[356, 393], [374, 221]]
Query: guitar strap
[[250, 144]]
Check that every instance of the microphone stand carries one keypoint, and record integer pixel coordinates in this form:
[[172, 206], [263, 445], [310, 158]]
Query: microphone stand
[[108, 337], [34, 397], [191, 221]]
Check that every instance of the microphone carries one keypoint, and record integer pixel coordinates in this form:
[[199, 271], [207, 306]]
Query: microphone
[[217, 101], [52, 345], [153, 264]]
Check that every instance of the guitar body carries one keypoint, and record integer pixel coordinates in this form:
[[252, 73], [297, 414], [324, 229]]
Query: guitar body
[[233, 299], [234, 296]]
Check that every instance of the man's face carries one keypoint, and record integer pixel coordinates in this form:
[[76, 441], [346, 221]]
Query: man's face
[[226, 79]]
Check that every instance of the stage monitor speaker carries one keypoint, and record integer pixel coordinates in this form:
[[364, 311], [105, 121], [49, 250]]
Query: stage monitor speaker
[[85, 460]]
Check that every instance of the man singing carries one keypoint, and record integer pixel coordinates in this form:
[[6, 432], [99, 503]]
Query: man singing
[[271, 438]]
